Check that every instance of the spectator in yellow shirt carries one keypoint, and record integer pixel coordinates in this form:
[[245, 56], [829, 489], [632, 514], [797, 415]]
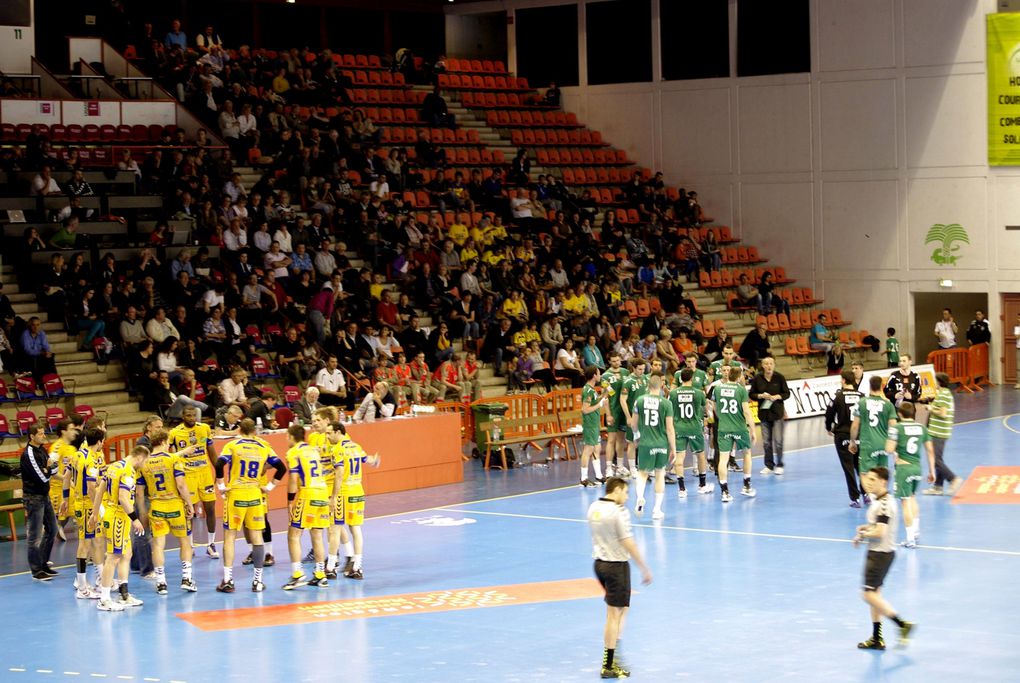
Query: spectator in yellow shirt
[[514, 307], [574, 303], [458, 232]]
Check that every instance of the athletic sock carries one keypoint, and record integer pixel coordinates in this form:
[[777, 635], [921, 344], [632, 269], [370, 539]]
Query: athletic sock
[[357, 561], [607, 657], [330, 562], [911, 535], [876, 630], [633, 465], [123, 589], [258, 574], [896, 620], [185, 570], [584, 471], [641, 482], [295, 569], [348, 549], [724, 487], [747, 482], [104, 592], [160, 574], [268, 547], [258, 558], [680, 482], [228, 574], [658, 501], [597, 466], [82, 579], [701, 479]]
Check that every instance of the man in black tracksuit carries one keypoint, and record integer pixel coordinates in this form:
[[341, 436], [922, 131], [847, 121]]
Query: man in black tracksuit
[[837, 423], [40, 523]]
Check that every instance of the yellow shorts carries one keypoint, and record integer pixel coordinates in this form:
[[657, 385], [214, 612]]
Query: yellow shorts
[[117, 529], [310, 510], [56, 498], [167, 517], [82, 512], [353, 502], [244, 509], [201, 483]]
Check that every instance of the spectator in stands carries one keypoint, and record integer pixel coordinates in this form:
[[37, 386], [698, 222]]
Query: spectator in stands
[[835, 358], [86, 318], [568, 365], [175, 37], [551, 97], [377, 404], [769, 300], [715, 345], [208, 39], [654, 324], [131, 329], [756, 344], [747, 294], [309, 403], [35, 346], [43, 183], [711, 254], [821, 339], [67, 236], [160, 328], [330, 383], [435, 112], [592, 355], [665, 352]]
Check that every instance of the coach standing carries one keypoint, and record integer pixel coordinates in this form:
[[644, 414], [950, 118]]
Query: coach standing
[[613, 547], [769, 388], [36, 470]]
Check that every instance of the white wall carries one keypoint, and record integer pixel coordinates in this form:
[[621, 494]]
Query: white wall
[[17, 45]]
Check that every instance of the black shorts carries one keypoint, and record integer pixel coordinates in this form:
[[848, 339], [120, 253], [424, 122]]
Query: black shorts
[[615, 579], [875, 568]]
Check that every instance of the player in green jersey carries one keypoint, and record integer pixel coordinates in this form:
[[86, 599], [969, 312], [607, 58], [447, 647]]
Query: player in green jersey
[[616, 421], [592, 402], [873, 417], [699, 380], [633, 387], [732, 409], [652, 422], [907, 438], [688, 403]]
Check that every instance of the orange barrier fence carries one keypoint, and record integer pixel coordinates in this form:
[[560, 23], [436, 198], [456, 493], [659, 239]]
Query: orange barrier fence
[[979, 367], [956, 364]]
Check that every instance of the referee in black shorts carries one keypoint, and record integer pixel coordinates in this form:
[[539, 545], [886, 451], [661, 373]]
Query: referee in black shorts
[[613, 547], [880, 536]]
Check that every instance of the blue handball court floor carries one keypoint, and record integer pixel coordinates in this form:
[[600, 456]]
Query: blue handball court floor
[[490, 580]]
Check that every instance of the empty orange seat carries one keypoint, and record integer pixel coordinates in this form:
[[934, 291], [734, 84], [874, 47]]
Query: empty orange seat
[[643, 308]]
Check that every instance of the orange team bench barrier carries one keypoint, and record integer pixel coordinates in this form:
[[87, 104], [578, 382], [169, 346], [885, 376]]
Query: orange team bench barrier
[[979, 367], [956, 364]]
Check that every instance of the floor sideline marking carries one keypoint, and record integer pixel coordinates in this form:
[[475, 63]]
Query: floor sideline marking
[[753, 534]]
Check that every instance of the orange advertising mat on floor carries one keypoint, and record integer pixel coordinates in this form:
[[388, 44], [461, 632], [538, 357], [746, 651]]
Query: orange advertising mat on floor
[[990, 485], [416, 452], [394, 605]]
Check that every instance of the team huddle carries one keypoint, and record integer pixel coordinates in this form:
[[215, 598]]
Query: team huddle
[[652, 427], [171, 477]]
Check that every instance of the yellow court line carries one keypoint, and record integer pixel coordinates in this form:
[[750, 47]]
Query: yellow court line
[[725, 532]]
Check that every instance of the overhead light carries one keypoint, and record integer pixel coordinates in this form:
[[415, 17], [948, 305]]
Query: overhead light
[[291, 2], [945, 283]]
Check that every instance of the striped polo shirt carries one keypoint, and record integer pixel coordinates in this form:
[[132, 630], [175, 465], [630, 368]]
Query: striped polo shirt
[[942, 427]]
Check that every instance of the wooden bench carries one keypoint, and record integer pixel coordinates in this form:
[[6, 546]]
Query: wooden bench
[[524, 430], [15, 486]]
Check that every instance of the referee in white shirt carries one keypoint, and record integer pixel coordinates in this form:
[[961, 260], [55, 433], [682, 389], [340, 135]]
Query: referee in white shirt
[[613, 547]]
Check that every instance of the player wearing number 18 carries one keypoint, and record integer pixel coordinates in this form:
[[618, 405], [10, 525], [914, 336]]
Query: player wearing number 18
[[170, 511], [308, 500], [732, 409], [245, 508], [656, 438], [908, 438]]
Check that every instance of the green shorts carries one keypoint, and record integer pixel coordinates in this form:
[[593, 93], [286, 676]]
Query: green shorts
[[695, 442], [591, 436], [908, 477], [619, 422], [628, 434], [871, 458], [654, 458], [727, 440]]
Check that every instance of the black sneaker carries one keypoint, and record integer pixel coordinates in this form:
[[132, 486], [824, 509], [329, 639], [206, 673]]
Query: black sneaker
[[257, 586], [270, 561], [161, 588], [586, 484], [355, 574], [905, 633], [41, 575], [247, 561], [348, 567], [225, 587], [295, 582], [872, 644], [189, 585], [51, 571], [733, 466], [331, 574], [615, 671], [318, 582]]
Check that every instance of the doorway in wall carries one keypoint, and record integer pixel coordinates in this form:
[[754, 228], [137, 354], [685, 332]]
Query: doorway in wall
[[928, 311], [1007, 355]]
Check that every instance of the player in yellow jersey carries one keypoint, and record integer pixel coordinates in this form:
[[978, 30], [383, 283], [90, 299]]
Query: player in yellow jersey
[[316, 436], [63, 451], [79, 488], [114, 500], [336, 442], [193, 441], [352, 497], [163, 480], [308, 500], [245, 508]]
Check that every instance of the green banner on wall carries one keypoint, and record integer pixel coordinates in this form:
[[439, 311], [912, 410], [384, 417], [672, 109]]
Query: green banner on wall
[[1003, 89]]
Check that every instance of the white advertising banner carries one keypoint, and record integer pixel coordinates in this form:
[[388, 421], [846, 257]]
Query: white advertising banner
[[810, 397]]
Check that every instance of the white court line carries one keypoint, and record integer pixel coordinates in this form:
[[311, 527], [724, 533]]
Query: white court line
[[722, 532]]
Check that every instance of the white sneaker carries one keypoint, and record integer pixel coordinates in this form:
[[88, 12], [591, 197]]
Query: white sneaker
[[749, 491], [639, 509], [954, 486], [765, 471], [779, 471], [932, 491], [110, 606], [682, 493], [658, 514], [86, 594], [211, 551], [131, 601], [726, 497], [707, 488]]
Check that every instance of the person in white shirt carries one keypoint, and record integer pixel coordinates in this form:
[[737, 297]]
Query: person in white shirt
[[126, 163], [235, 239], [232, 390], [159, 328], [283, 236], [331, 384], [262, 239], [247, 126], [324, 261], [945, 330], [558, 276], [212, 298], [233, 188], [44, 184], [229, 127], [279, 262], [567, 364], [379, 187]]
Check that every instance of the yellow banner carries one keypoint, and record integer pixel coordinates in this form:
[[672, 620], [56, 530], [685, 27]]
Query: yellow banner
[[1003, 89]]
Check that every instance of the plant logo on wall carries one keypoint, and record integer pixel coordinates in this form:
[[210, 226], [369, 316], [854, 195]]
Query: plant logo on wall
[[946, 236]]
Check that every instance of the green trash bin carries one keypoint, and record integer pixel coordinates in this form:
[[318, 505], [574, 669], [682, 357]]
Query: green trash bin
[[484, 413]]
